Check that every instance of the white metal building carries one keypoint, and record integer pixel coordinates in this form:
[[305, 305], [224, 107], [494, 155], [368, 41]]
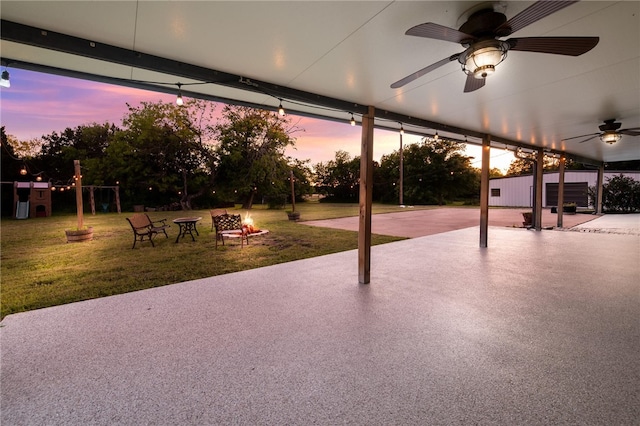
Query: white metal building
[[517, 191]]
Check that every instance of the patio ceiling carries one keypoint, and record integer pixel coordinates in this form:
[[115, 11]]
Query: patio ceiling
[[343, 56]]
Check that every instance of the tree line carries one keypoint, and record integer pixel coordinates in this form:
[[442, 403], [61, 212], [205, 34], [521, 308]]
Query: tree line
[[184, 157]]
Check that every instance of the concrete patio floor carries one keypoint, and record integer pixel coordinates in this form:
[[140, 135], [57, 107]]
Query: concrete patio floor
[[419, 223], [539, 328]]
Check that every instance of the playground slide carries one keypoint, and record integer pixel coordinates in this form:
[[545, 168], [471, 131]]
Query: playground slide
[[22, 210]]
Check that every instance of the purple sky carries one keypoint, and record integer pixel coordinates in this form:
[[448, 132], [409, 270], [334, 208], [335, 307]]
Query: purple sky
[[38, 104]]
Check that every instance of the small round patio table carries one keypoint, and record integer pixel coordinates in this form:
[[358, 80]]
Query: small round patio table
[[187, 226]]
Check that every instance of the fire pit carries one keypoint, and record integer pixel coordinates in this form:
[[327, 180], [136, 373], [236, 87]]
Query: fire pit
[[247, 230]]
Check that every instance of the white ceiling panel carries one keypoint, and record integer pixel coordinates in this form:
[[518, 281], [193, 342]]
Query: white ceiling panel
[[114, 21], [281, 38]]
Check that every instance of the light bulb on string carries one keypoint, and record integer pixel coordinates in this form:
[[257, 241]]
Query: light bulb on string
[[436, 137], [401, 129], [281, 109], [4, 80], [353, 120], [179, 100]]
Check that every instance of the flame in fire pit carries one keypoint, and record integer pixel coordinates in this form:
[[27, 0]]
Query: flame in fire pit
[[248, 220], [247, 223]]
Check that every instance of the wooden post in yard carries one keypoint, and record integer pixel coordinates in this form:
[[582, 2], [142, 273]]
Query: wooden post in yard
[[78, 179], [117, 190], [92, 199], [293, 193]]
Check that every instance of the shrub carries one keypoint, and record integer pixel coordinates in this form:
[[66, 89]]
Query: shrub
[[620, 194]]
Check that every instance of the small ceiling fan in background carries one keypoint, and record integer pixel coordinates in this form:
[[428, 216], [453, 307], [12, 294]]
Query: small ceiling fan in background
[[480, 34], [609, 132]]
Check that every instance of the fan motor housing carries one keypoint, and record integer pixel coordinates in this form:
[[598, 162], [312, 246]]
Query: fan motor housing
[[483, 24]]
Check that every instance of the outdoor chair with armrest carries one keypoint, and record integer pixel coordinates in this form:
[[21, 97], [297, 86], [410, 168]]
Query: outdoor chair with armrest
[[229, 225], [143, 226], [214, 213]]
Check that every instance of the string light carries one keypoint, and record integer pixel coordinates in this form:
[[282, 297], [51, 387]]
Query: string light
[[401, 129], [179, 100], [436, 137], [353, 120], [4, 81], [281, 109]]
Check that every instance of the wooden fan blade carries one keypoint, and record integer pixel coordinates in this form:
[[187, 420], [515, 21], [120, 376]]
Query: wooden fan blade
[[473, 83], [533, 13], [423, 71], [570, 46], [581, 136], [439, 32], [588, 139], [634, 131]]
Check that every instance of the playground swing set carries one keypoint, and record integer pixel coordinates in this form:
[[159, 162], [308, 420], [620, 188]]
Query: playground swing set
[[33, 199]]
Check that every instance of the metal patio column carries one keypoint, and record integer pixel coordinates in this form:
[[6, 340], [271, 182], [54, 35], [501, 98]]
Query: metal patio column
[[537, 209], [484, 191], [366, 197], [560, 202], [599, 189]]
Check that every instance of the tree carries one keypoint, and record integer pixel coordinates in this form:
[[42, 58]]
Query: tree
[[10, 167], [86, 143], [9, 170], [164, 152], [339, 179], [435, 171], [521, 166], [302, 176], [495, 173], [250, 156], [620, 194]]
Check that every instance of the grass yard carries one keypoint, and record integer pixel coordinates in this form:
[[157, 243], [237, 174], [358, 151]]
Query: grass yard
[[40, 269]]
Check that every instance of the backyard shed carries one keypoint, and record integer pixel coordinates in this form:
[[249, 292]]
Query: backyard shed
[[517, 191]]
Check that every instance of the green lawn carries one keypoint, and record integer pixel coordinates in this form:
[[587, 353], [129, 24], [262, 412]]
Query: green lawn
[[39, 268]]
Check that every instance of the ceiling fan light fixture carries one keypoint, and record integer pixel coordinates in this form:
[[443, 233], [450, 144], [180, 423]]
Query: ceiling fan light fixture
[[610, 137], [481, 59]]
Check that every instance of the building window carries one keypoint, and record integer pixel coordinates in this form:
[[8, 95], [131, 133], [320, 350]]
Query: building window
[[495, 192]]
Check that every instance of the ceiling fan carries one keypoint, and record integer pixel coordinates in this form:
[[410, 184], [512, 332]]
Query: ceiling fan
[[609, 132], [481, 33]]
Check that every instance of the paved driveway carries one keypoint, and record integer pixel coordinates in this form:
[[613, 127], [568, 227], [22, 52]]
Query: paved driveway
[[418, 223]]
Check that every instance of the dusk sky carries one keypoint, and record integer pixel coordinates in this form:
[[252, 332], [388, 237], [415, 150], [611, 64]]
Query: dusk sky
[[38, 104]]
